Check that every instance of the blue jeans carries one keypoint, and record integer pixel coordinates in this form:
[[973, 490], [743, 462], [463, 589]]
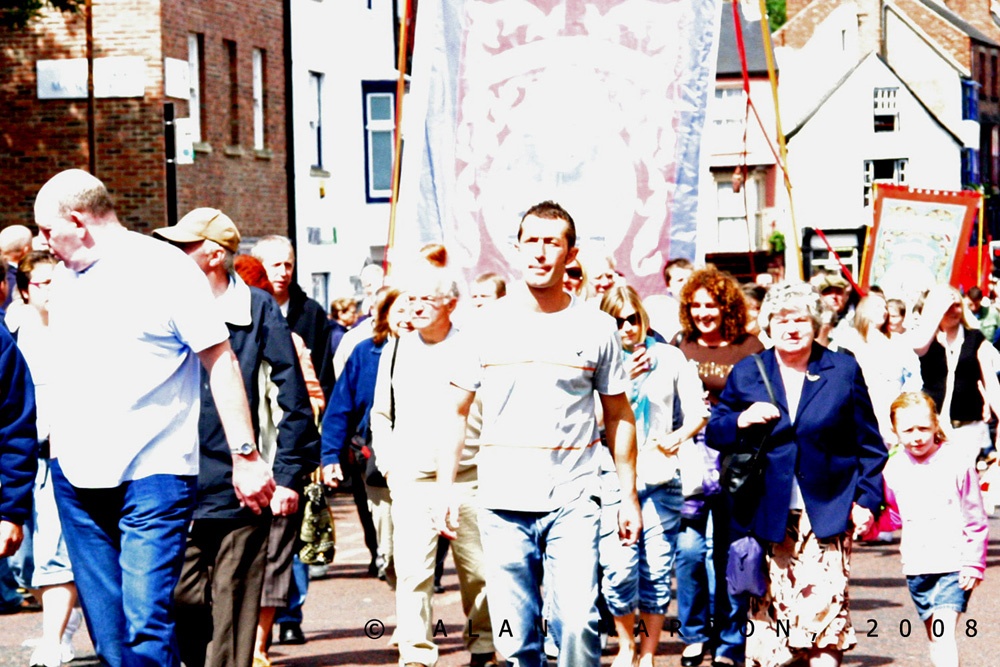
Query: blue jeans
[[10, 599], [639, 575], [296, 595], [720, 619], [517, 547], [127, 547]]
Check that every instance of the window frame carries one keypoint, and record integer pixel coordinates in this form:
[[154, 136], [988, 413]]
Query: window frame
[[196, 76], [370, 90], [259, 77], [317, 82]]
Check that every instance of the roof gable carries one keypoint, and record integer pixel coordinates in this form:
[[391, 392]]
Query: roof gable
[[840, 84]]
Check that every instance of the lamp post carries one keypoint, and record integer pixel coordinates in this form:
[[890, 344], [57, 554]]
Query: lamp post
[[91, 130]]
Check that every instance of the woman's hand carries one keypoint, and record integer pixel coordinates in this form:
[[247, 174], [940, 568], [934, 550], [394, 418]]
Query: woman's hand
[[760, 412], [638, 363], [668, 444]]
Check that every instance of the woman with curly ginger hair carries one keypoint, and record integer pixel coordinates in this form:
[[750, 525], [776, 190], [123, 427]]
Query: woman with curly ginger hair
[[714, 336]]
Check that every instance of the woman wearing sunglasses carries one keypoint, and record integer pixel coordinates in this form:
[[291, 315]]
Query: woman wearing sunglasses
[[714, 336], [639, 576]]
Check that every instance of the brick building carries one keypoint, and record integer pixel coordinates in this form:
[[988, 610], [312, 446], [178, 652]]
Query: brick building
[[220, 63]]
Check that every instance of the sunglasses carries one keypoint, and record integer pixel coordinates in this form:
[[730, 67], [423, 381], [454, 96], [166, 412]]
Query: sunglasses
[[632, 319], [574, 272]]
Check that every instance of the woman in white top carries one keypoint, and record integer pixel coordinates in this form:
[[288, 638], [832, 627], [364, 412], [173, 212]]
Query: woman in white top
[[888, 362], [639, 576], [958, 368]]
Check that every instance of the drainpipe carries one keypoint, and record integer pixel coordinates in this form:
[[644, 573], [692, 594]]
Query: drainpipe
[[290, 129]]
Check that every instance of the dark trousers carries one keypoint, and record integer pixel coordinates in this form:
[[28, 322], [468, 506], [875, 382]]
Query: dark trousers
[[218, 596]]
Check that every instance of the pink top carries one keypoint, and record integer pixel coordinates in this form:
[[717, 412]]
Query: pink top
[[940, 509]]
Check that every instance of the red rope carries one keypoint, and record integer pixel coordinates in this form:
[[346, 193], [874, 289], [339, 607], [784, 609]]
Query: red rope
[[741, 48], [843, 267]]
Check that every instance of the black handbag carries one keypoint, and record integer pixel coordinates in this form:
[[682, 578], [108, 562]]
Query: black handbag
[[743, 472]]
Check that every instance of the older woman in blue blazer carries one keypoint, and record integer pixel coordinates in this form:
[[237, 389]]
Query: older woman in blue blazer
[[823, 458]]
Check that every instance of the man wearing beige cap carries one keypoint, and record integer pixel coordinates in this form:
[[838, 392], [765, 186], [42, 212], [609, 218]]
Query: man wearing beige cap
[[130, 319], [218, 597]]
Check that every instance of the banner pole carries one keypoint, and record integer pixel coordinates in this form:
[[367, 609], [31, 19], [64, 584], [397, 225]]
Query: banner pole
[[765, 28], [397, 156], [979, 245]]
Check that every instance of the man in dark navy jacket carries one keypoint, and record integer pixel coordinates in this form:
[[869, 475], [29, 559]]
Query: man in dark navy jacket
[[224, 561]]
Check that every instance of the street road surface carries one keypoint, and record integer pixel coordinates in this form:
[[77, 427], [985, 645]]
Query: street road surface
[[349, 617]]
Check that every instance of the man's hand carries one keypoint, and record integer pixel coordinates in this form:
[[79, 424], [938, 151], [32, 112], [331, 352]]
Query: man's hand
[[284, 502], [862, 518], [11, 535], [253, 482], [446, 512], [629, 520], [332, 475]]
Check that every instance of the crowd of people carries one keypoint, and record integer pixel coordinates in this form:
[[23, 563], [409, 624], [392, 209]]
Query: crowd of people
[[572, 443]]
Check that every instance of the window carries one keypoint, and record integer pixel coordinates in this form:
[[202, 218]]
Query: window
[[981, 74], [886, 115], [259, 99], [380, 136], [739, 214], [993, 77], [970, 167], [234, 94], [970, 100], [196, 79], [728, 113], [315, 110], [883, 171]]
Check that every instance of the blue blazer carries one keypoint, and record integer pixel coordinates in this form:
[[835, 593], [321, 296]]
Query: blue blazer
[[834, 448]]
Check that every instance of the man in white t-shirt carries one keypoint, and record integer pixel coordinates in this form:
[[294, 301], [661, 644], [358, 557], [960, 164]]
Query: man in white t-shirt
[[536, 359], [130, 318]]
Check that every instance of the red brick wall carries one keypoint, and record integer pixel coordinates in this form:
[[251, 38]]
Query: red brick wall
[[41, 137], [251, 188], [952, 40], [976, 12], [803, 17]]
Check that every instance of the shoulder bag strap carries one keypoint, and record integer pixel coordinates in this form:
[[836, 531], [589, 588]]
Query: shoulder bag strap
[[763, 376], [770, 394], [392, 393]]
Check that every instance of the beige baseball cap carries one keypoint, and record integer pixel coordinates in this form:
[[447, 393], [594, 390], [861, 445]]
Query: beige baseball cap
[[203, 224]]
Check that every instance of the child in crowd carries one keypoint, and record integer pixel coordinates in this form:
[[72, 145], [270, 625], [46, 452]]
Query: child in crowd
[[932, 492]]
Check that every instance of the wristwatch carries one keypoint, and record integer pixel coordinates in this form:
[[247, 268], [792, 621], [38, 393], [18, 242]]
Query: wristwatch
[[246, 449]]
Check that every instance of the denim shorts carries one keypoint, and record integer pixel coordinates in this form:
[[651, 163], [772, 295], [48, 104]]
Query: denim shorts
[[931, 592]]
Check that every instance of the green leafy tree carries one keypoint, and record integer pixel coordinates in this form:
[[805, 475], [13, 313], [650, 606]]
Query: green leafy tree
[[19, 13], [776, 15]]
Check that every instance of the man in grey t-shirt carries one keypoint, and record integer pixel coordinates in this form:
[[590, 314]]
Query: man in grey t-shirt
[[536, 361]]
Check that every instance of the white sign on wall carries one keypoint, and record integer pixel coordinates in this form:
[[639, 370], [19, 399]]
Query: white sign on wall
[[66, 79], [62, 79], [183, 141], [176, 78]]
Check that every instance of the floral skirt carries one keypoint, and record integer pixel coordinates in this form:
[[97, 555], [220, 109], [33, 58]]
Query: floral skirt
[[806, 604]]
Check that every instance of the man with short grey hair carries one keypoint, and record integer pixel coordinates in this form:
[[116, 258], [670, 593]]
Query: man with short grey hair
[[130, 319], [412, 386], [308, 319]]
